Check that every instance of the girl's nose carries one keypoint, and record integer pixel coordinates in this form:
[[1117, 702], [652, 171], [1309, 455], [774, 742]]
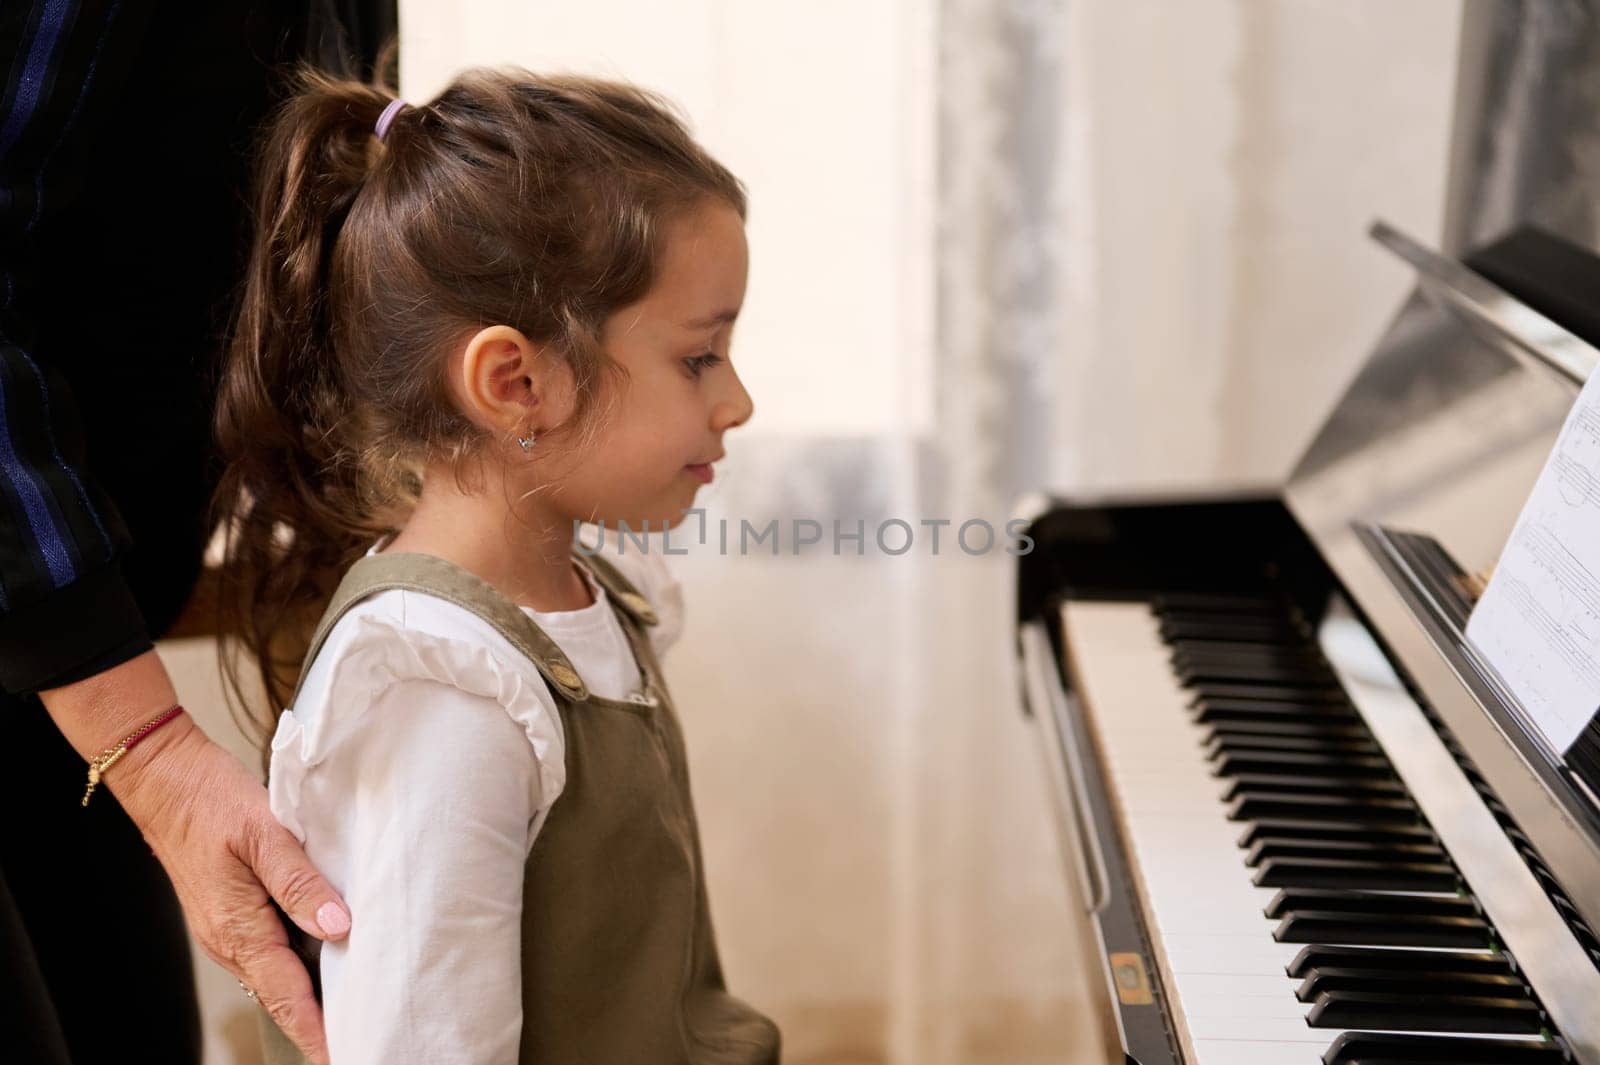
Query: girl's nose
[[734, 409]]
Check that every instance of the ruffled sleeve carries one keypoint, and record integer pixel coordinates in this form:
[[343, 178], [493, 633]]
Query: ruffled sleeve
[[417, 766], [372, 648]]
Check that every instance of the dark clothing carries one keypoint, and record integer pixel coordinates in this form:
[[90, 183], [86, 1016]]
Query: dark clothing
[[124, 154], [94, 958], [125, 141]]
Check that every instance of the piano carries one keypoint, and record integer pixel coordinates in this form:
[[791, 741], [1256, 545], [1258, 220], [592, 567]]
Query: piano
[[1303, 816]]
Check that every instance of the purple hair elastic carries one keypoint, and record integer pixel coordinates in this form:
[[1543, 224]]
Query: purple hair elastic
[[388, 116]]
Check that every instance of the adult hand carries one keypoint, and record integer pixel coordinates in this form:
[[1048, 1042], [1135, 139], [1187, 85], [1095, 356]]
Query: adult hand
[[207, 820]]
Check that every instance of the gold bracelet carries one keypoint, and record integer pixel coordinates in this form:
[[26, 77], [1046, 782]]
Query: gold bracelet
[[109, 756]]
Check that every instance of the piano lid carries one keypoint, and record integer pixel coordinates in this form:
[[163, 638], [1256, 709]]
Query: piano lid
[[1415, 480]]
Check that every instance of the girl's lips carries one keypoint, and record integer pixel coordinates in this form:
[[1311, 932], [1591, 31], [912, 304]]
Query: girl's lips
[[701, 470]]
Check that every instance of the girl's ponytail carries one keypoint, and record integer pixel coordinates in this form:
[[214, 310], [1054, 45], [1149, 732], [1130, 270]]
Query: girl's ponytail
[[292, 499]]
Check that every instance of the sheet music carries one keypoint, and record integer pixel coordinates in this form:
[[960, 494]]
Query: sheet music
[[1538, 621]]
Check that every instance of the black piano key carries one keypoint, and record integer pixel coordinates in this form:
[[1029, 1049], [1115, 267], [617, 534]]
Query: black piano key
[[1257, 613], [1327, 746], [1546, 879], [1202, 642], [1287, 705], [1382, 1048], [1575, 921], [1425, 1013], [1247, 633], [1288, 728], [1321, 956], [1224, 656], [1278, 654], [1277, 784], [1333, 928], [1519, 837], [1475, 985], [1282, 708], [1263, 609], [1290, 899], [1274, 693], [1379, 834], [1347, 873], [1192, 674], [1322, 808], [1233, 763], [1263, 601], [1263, 635], [1269, 847], [1219, 712]]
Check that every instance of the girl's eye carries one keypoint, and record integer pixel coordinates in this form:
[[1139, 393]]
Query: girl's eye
[[700, 362]]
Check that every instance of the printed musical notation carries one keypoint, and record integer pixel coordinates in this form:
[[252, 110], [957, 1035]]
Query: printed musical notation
[[1579, 486], [1538, 621]]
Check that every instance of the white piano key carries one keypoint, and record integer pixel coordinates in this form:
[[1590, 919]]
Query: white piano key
[[1197, 916], [1236, 987], [1256, 1052], [1222, 971], [1170, 803], [1190, 824], [1185, 961], [1277, 1007], [1267, 955], [1291, 1029]]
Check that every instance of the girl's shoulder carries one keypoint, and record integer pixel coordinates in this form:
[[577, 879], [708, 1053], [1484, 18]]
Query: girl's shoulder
[[413, 634], [397, 636]]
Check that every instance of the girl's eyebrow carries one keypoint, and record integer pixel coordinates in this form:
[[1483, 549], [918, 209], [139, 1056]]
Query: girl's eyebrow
[[716, 319]]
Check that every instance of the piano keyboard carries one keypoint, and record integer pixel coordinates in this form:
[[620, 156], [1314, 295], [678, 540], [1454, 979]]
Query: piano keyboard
[[1300, 907]]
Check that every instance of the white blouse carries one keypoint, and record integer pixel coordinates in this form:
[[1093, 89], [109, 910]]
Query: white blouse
[[419, 761]]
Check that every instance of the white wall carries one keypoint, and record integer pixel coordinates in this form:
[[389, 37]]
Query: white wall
[[824, 110], [1229, 156]]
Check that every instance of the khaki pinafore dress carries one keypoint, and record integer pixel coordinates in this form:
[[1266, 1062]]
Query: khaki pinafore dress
[[619, 961]]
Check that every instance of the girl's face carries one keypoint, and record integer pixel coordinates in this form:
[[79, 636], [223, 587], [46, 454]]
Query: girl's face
[[655, 448]]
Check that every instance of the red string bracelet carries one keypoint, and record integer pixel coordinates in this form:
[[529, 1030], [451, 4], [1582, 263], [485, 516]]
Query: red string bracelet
[[109, 756]]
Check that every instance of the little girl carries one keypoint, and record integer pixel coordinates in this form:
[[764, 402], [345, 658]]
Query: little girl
[[469, 326]]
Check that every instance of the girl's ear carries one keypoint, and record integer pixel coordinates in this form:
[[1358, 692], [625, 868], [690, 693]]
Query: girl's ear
[[504, 381]]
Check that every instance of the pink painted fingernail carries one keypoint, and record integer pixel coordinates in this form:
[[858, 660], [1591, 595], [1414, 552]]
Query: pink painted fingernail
[[332, 919]]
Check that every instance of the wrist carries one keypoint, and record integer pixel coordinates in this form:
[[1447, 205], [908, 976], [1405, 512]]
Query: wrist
[[163, 752], [100, 711], [101, 764]]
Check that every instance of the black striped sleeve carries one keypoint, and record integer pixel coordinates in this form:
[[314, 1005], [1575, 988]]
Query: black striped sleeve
[[65, 610]]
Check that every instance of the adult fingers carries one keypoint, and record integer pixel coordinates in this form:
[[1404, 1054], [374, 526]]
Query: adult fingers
[[279, 979], [281, 865]]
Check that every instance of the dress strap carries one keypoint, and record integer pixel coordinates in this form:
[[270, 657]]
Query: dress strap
[[435, 576], [618, 587]]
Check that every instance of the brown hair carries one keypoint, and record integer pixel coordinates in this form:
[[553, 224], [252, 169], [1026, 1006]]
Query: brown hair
[[535, 201]]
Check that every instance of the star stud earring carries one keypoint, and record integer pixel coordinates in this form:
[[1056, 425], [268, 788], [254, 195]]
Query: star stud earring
[[526, 442]]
